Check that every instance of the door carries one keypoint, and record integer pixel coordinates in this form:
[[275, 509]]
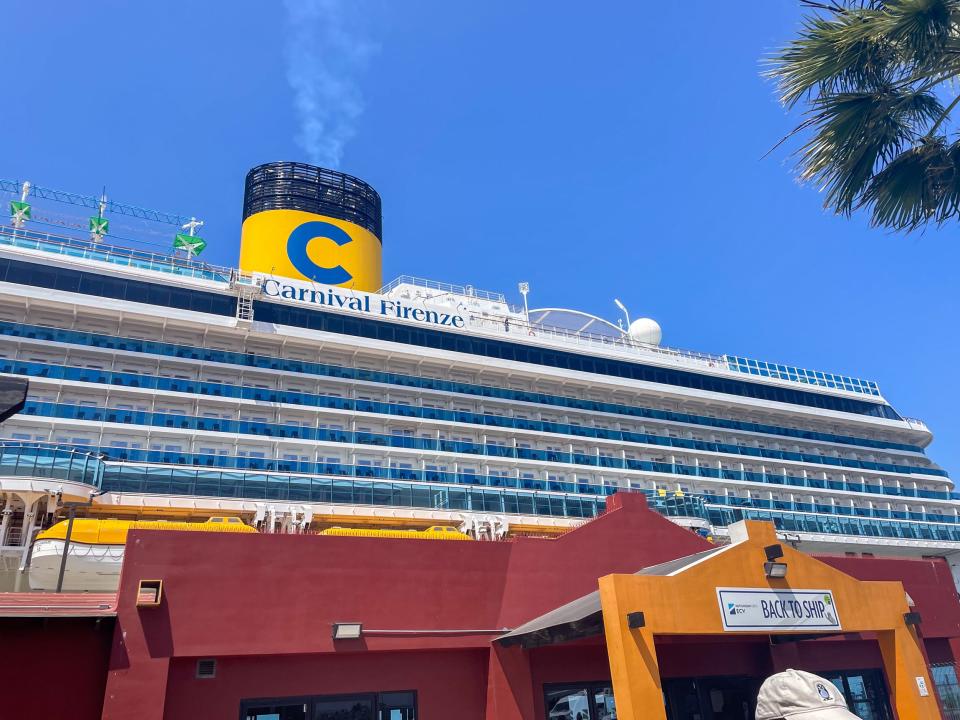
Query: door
[[710, 698], [729, 698], [682, 699]]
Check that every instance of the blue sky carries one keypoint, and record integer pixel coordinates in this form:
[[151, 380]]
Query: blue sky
[[610, 152]]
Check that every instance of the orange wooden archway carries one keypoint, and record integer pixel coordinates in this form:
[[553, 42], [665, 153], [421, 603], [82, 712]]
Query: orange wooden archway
[[682, 600]]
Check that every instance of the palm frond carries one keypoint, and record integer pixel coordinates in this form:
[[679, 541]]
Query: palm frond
[[949, 180], [857, 132], [905, 194], [838, 53], [918, 28], [871, 72]]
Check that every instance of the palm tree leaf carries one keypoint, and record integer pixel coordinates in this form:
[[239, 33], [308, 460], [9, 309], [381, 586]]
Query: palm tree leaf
[[857, 132], [948, 175], [906, 194], [871, 72], [831, 54], [919, 28]]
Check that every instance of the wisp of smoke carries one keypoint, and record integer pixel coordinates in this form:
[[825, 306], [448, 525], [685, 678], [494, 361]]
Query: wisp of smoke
[[325, 55]]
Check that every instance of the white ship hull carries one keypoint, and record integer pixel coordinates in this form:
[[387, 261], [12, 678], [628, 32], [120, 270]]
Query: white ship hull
[[91, 568]]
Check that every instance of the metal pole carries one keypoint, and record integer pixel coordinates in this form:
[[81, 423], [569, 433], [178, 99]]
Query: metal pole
[[66, 548]]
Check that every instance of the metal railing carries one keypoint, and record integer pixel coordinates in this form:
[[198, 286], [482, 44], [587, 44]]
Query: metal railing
[[464, 290], [113, 254], [529, 331]]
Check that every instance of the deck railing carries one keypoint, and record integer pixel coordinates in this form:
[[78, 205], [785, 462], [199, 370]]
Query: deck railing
[[113, 254]]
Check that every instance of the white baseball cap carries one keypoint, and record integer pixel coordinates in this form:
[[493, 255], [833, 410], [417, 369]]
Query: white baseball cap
[[801, 695]]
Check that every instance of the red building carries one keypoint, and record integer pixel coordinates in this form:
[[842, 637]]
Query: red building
[[244, 629]]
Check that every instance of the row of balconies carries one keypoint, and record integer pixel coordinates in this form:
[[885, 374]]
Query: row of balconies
[[426, 418], [292, 382], [415, 453]]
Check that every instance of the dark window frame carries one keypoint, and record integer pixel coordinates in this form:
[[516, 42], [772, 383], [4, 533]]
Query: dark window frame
[[879, 673], [589, 685], [309, 700], [247, 704]]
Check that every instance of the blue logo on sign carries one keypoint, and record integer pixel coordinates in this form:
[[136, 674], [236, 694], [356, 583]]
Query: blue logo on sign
[[297, 252]]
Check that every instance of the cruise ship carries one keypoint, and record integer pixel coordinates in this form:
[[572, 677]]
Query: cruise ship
[[299, 392]]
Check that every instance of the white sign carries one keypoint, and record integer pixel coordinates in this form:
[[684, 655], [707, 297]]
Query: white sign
[[361, 303], [746, 609], [922, 686]]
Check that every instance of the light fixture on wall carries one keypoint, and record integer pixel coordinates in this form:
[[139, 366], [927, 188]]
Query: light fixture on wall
[[772, 568], [775, 569], [347, 631]]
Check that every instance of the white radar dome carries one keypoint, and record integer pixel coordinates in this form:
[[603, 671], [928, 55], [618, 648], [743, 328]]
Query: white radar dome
[[646, 331]]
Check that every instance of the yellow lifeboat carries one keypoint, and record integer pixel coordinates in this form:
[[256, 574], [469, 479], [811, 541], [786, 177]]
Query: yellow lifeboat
[[436, 532]]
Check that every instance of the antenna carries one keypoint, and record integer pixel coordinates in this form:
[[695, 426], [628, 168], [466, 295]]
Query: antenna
[[624, 308], [20, 211], [99, 225], [524, 288], [192, 226]]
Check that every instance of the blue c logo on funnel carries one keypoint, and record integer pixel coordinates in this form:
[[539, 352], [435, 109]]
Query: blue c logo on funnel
[[297, 252]]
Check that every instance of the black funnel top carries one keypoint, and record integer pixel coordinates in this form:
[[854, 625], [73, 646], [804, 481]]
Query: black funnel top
[[298, 186]]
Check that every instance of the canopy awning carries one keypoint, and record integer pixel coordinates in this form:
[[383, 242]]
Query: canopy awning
[[578, 619], [582, 617]]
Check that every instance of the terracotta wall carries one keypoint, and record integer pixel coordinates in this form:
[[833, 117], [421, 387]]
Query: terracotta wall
[[263, 606], [274, 596], [54, 668], [449, 683], [929, 583]]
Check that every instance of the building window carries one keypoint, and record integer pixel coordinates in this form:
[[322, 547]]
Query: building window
[[948, 689], [580, 701], [386, 706], [865, 692], [274, 710]]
